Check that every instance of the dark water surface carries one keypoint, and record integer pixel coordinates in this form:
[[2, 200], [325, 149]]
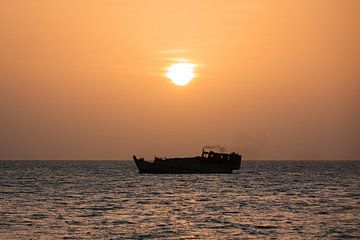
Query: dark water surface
[[110, 200]]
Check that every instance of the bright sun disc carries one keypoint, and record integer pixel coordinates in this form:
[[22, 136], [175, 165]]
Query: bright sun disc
[[181, 73]]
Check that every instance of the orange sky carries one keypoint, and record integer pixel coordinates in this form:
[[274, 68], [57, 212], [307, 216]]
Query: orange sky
[[86, 79]]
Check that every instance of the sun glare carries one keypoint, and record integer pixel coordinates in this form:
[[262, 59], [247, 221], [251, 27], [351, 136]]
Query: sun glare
[[181, 73]]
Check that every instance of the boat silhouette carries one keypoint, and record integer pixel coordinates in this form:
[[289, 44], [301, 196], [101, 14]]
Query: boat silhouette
[[208, 162]]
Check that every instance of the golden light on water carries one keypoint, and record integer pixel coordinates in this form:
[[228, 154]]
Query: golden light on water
[[181, 73]]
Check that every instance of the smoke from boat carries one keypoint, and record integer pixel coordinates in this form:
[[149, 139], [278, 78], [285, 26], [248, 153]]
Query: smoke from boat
[[217, 148]]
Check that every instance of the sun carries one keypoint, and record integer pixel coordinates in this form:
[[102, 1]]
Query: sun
[[181, 73]]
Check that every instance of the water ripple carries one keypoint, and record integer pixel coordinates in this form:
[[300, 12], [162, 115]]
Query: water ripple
[[109, 200]]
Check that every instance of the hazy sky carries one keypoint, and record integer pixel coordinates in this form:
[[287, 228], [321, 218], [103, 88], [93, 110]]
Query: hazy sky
[[86, 79]]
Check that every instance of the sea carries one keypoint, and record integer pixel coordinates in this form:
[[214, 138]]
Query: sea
[[110, 200]]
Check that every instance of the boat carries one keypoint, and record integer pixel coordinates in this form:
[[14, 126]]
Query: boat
[[208, 162]]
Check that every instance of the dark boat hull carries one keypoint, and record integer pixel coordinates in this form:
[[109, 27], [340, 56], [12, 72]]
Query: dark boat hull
[[186, 166]]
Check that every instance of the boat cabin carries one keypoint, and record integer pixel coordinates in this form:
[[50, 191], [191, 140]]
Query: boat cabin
[[220, 156]]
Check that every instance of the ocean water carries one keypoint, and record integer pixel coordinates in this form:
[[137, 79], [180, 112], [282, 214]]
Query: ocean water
[[110, 200]]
